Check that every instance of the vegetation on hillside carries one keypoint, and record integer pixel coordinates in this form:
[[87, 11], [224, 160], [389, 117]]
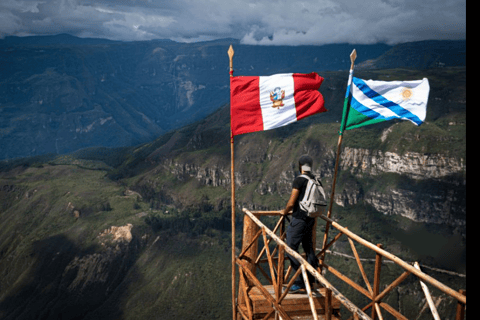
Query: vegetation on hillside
[[55, 207]]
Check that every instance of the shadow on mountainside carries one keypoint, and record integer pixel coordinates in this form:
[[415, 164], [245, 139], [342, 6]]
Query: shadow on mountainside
[[63, 281]]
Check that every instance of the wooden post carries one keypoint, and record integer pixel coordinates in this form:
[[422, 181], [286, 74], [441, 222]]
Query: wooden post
[[376, 280], [234, 306], [377, 308], [461, 307], [428, 296], [328, 304], [281, 263], [249, 239], [309, 292]]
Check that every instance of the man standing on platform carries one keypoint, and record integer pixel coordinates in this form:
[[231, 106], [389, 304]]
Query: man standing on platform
[[302, 226]]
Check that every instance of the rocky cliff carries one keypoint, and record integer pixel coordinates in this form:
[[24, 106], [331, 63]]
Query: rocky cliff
[[441, 178]]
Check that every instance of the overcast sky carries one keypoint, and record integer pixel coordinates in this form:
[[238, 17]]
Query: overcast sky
[[273, 22]]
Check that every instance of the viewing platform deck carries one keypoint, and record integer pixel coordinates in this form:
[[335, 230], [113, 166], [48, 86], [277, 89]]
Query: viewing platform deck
[[266, 297], [295, 304]]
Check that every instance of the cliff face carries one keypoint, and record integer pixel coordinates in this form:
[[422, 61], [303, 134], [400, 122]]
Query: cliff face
[[412, 164], [442, 180]]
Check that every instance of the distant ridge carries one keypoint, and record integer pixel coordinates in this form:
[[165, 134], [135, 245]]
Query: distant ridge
[[61, 93], [59, 39], [421, 55]]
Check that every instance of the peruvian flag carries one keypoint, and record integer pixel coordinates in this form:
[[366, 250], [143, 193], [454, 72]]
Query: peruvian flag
[[264, 103]]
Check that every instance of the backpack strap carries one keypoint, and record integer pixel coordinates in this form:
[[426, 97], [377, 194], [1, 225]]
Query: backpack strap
[[308, 187], [314, 180], [305, 176]]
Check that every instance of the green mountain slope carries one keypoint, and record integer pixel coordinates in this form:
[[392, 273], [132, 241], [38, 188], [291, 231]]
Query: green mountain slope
[[144, 232]]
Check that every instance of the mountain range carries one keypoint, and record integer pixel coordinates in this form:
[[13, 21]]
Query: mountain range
[[60, 93], [143, 231]]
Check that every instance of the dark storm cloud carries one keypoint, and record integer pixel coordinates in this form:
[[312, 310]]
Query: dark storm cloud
[[255, 21]]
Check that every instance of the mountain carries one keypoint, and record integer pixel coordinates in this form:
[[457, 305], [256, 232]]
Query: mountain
[[57, 40], [421, 55], [60, 93], [144, 231]]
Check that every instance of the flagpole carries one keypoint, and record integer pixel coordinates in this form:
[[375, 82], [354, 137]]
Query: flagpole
[[353, 56], [234, 306]]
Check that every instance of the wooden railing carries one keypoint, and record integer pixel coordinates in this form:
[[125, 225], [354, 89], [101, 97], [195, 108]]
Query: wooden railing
[[248, 264]]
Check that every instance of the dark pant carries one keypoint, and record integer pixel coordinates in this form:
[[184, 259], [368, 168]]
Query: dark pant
[[300, 231]]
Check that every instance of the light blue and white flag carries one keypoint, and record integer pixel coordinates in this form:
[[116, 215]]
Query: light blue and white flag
[[376, 101]]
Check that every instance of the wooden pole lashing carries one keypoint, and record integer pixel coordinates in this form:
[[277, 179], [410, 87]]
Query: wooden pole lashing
[[376, 278]]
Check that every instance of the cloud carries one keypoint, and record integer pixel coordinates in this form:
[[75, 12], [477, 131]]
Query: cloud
[[259, 22], [364, 22]]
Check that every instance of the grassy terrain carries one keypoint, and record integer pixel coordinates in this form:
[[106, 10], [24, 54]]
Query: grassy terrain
[[53, 209], [180, 258]]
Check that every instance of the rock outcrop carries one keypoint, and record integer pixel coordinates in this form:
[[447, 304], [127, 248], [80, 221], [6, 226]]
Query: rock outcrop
[[395, 191]]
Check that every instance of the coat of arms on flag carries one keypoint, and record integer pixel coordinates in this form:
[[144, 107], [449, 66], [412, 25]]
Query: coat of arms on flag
[[277, 96]]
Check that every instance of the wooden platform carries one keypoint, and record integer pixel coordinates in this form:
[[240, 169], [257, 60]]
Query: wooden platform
[[297, 306]]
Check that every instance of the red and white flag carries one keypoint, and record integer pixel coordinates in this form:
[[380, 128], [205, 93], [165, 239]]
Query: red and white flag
[[264, 103]]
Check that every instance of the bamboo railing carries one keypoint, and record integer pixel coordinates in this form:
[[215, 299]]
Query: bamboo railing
[[248, 264]]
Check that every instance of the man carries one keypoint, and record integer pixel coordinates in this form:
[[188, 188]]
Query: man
[[301, 227]]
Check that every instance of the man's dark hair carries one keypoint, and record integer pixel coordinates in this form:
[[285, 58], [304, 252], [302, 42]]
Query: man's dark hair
[[305, 162]]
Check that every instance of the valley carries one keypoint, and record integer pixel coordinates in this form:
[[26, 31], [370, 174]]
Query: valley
[[141, 229]]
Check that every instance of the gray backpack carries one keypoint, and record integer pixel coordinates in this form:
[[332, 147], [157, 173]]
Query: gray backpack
[[314, 198]]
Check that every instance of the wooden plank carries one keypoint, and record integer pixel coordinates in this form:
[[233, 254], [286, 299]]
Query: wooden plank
[[291, 302], [293, 315]]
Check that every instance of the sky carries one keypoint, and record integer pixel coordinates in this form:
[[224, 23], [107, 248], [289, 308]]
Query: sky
[[261, 22]]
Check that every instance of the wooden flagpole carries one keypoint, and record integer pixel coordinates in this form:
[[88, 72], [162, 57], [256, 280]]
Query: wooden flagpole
[[234, 306], [353, 56]]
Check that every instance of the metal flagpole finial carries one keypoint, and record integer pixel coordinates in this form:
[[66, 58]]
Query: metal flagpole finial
[[353, 56], [230, 55]]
